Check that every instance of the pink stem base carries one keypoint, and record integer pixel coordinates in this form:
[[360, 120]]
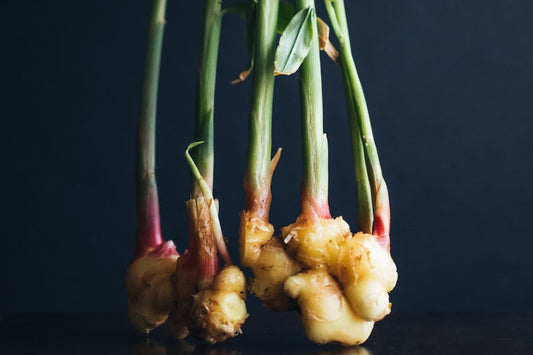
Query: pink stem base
[[165, 250], [148, 222], [315, 208], [381, 227]]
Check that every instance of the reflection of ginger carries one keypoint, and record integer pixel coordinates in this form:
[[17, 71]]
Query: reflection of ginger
[[148, 347], [348, 286], [352, 350]]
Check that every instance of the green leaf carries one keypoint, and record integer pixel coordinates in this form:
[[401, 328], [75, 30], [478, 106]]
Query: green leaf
[[285, 14], [295, 42]]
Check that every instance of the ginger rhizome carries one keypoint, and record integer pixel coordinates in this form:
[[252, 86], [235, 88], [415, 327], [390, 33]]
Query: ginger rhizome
[[210, 302], [148, 278], [339, 281], [149, 287]]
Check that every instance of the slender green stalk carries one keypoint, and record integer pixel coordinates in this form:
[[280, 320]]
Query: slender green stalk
[[208, 196], [258, 175], [359, 112], [364, 193], [204, 155], [315, 146], [148, 222]]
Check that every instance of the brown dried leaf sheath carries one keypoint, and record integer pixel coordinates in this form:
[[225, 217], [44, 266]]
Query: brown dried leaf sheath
[[324, 43]]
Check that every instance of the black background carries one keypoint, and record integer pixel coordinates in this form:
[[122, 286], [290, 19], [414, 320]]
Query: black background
[[449, 88]]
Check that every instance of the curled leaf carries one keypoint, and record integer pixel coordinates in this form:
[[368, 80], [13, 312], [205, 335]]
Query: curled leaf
[[295, 42]]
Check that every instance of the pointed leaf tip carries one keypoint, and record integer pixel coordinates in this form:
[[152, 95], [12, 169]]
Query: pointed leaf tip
[[295, 42]]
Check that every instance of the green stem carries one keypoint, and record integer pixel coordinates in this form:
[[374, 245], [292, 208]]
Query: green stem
[[258, 174], [148, 221], [208, 196], [315, 146], [204, 155], [359, 112], [364, 192]]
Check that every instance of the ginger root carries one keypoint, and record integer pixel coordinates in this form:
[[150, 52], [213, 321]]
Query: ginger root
[[149, 287], [339, 280], [346, 289], [326, 314], [220, 311], [209, 303], [266, 256]]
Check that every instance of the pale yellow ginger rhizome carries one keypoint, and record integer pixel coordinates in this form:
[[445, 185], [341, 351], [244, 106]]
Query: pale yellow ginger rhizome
[[149, 290], [339, 260], [269, 261], [340, 280], [220, 311]]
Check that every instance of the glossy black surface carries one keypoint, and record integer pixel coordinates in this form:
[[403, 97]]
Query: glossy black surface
[[269, 334]]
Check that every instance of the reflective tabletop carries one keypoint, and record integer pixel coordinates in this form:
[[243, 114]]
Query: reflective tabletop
[[271, 333]]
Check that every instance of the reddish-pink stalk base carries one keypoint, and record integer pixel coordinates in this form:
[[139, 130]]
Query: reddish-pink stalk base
[[381, 229], [165, 250], [319, 209], [315, 208], [381, 226], [148, 224]]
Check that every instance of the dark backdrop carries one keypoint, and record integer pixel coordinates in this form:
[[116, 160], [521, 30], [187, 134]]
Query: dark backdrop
[[449, 88]]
